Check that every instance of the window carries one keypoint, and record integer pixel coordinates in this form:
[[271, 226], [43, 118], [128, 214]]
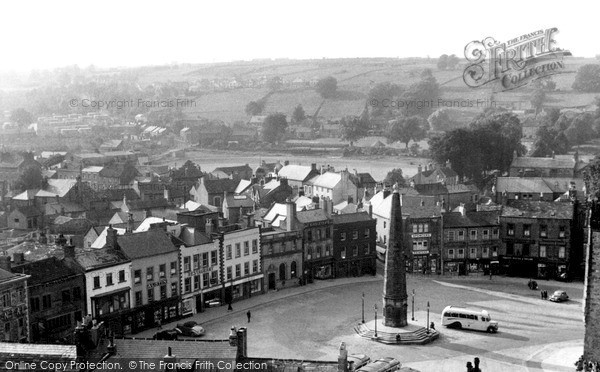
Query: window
[[150, 273], [213, 257], [270, 249], [526, 230], [173, 289], [66, 295], [254, 246], [186, 264], [228, 251], [343, 237], [460, 253], [461, 235], [561, 252], [343, 252], [561, 232], [494, 251], [309, 253], [384, 224], [246, 268], [318, 234], [46, 301], [173, 268], [327, 250], [543, 231], [246, 248], [354, 235], [485, 252], [196, 261], [34, 303], [238, 250], [121, 276], [542, 251], [450, 253], [485, 234], [214, 275], [138, 298], [150, 294], [495, 232], [327, 233], [238, 270], [96, 282], [415, 228], [510, 229], [473, 252], [355, 250], [425, 227], [254, 266], [473, 235], [367, 233], [229, 271], [450, 236], [163, 292], [368, 248], [293, 269], [137, 276], [162, 270], [187, 285]]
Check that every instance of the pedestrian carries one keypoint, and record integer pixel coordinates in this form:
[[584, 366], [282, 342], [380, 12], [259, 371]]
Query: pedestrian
[[249, 315], [469, 367], [545, 295], [432, 325], [159, 322], [476, 367], [229, 308], [542, 294], [398, 337]]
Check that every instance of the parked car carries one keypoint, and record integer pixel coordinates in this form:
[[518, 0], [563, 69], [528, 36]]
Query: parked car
[[168, 334], [190, 328], [213, 303], [358, 360], [382, 365], [559, 296]]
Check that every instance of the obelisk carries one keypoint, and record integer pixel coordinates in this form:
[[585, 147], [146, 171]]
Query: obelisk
[[395, 303]]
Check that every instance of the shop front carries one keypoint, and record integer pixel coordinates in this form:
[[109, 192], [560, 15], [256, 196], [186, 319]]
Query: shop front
[[155, 313]]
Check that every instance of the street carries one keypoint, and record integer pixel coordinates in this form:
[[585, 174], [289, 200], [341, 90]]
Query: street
[[533, 335]]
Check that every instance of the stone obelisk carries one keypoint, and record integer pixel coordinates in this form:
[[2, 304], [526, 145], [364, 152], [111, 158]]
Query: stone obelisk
[[395, 303]]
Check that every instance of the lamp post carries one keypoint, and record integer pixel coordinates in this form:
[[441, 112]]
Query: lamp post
[[375, 308], [413, 305], [428, 317], [363, 307]]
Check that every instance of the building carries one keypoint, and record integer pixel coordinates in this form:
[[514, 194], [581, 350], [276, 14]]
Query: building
[[210, 192], [56, 298], [234, 172], [553, 167], [14, 299], [241, 259], [154, 275], [317, 233], [422, 238], [200, 267], [435, 174], [471, 241], [25, 218], [541, 239], [298, 175], [336, 186], [354, 237], [534, 188], [235, 207]]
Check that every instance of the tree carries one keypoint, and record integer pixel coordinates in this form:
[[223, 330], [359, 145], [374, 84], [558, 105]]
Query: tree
[[327, 87], [274, 127], [395, 176], [452, 62], [255, 107], [440, 120], [587, 79], [353, 129], [406, 129], [537, 99], [298, 115], [581, 129], [420, 94], [381, 92], [442, 62], [31, 178], [274, 84], [21, 117], [549, 141]]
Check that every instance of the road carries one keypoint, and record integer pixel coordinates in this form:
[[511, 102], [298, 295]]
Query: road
[[534, 335]]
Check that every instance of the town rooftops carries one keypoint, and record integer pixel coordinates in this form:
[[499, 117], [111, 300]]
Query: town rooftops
[[422, 211], [145, 244], [236, 201], [92, 259], [219, 186], [100, 241], [531, 162], [536, 184], [45, 271], [538, 209], [7, 276], [351, 217], [327, 180], [233, 170], [312, 215], [295, 172], [471, 219]]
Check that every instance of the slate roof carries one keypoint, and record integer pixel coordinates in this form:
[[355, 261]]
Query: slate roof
[[471, 219], [7, 276], [531, 162], [124, 172], [236, 201], [60, 187], [538, 209], [91, 259], [219, 186], [431, 189], [238, 169], [295, 172], [45, 271], [351, 218], [422, 211], [312, 215], [243, 186], [536, 184], [26, 195], [145, 244]]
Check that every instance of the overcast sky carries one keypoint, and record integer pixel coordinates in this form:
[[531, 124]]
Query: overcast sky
[[49, 34]]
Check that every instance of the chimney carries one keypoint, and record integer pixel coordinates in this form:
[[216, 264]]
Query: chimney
[[329, 206], [18, 258], [208, 227], [170, 360], [130, 223], [242, 344], [111, 237], [287, 162], [322, 203], [419, 170], [461, 209], [313, 166], [249, 220], [576, 157], [343, 358], [290, 220], [386, 193], [69, 251], [5, 263]]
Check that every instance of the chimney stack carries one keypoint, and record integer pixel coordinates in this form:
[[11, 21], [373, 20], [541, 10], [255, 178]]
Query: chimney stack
[[343, 358], [69, 251], [18, 258], [242, 344], [130, 223], [208, 227], [111, 237], [290, 220]]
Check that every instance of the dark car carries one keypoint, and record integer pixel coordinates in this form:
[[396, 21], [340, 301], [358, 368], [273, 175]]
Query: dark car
[[190, 328], [169, 334], [358, 360]]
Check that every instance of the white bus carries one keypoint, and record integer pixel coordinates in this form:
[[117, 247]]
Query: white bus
[[459, 317]]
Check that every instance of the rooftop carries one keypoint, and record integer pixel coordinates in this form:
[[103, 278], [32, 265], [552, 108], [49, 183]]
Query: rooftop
[[145, 244], [538, 209], [45, 271]]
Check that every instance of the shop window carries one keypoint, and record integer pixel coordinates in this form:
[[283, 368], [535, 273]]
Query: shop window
[[137, 276]]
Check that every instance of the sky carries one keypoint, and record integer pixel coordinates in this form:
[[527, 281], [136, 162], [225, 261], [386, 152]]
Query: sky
[[51, 34]]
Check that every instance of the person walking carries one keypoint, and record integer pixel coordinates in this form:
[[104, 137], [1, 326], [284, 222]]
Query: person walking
[[249, 315], [469, 367], [229, 308], [476, 363]]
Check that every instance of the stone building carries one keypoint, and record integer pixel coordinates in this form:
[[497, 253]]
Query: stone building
[[14, 318]]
